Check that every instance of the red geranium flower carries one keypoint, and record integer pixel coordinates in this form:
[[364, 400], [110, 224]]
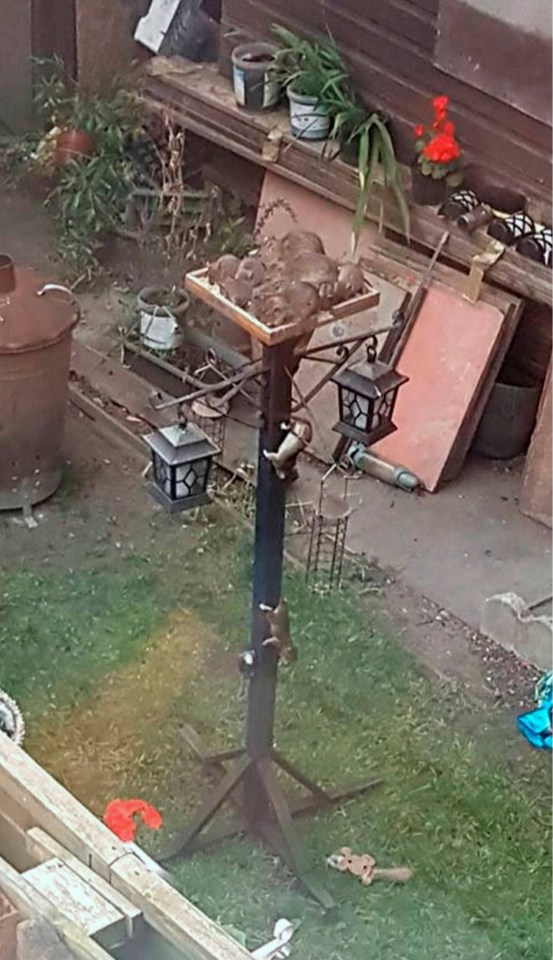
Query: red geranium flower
[[440, 104], [118, 816], [418, 130]]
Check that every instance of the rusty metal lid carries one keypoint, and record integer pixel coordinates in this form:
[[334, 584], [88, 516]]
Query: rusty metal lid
[[33, 313]]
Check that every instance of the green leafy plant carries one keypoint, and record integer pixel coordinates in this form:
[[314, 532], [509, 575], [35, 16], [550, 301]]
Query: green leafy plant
[[308, 67], [315, 68], [89, 195], [366, 138]]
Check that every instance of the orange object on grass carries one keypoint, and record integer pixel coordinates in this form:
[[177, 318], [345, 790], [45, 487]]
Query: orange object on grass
[[119, 817]]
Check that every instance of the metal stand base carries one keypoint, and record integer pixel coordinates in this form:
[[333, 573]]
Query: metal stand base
[[278, 832]]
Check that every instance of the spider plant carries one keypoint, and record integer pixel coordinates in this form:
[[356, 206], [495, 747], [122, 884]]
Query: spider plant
[[308, 67], [366, 137]]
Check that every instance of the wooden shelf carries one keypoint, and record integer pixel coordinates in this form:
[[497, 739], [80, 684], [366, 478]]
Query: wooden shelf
[[199, 99]]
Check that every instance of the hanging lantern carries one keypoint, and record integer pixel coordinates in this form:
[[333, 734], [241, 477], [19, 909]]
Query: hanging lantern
[[181, 461], [367, 393]]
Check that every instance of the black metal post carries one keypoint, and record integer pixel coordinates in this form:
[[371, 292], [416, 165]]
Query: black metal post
[[251, 784], [276, 402]]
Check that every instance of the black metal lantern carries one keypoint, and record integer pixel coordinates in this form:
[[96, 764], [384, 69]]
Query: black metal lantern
[[367, 393], [181, 461]]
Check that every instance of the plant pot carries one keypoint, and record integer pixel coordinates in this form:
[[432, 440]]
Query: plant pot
[[254, 87], [159, 318], [426, 191], [349, 153], [72, 145], [308, 119], [508, 420]]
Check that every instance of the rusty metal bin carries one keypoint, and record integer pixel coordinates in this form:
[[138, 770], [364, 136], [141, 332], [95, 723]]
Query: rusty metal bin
[[36, 324]]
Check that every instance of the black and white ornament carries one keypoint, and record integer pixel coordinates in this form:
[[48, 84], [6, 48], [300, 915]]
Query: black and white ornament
[[538, 246], [509, 230]]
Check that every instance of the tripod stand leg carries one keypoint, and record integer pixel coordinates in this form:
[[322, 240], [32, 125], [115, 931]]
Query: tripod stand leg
[[281, 836], [208, 810], [297, 775]]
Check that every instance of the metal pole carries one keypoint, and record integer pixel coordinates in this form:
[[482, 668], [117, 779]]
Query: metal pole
[[276, 405]]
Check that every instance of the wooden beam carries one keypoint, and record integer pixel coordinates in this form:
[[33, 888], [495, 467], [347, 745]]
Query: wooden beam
[[177, 920], [31, 904], [45, 803], [42, 847]]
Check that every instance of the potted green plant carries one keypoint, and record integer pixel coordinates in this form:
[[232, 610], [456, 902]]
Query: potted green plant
[[366, 143], [90, 189], [437, 168], [309, 71], [63, 111]]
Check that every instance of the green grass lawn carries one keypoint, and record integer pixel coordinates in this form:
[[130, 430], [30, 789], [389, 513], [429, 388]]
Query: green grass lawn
[[472, 824]]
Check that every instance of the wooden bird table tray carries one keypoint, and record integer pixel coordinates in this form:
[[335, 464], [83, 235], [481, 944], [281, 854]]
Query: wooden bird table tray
[[198, 284]]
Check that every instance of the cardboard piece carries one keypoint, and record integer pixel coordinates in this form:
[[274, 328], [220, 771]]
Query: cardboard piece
[[450, 357]]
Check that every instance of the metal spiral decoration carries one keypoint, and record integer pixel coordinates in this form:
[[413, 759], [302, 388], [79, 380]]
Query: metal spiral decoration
[[11, 719]]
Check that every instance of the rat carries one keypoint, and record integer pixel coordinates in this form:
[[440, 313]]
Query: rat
[[279, 623]]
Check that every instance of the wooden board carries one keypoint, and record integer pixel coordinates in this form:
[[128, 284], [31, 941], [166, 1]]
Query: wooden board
[[43, 802], [42, 847], [197, 98], [536, 492], [78, 901], [447, 359], [503, 52], [31, 904], [177, 920], [197, 284]]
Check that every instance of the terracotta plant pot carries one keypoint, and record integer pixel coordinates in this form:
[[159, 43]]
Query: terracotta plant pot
[[427, 192], [72, 145]]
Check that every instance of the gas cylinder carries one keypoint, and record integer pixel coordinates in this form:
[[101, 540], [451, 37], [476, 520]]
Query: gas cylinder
[[36, 324]]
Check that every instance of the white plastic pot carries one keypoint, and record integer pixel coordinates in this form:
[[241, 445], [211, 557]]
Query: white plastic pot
[[159, 325], [308, 119]]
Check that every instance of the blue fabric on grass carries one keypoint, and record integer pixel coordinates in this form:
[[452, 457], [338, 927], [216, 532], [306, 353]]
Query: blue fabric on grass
[[535, 726]]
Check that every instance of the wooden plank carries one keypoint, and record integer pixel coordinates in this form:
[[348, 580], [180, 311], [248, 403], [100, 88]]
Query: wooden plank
[[487, 50], [536, 490], [178, 921], [109, 427], [258, 18], [78, 901], [42, 847], [32, 904], [45, 803], [113, 380], [400, 18], [447, 359], [333, 180]]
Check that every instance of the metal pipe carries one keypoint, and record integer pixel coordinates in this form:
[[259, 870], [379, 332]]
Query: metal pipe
[[360, 459]]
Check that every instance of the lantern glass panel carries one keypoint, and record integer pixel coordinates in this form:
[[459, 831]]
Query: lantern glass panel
[[162, 474], [355, 409], [191, 478]]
